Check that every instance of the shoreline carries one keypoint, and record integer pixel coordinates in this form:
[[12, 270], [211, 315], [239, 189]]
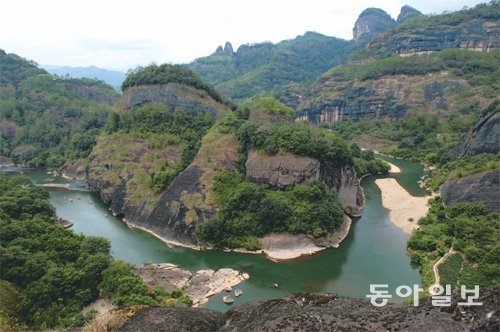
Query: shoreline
[[394, 168], [401, 205]]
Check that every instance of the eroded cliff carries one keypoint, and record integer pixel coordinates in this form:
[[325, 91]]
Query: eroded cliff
[[284, 170]]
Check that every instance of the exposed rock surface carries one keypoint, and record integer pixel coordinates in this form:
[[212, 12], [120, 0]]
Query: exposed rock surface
[[307, 312], [175, 95], [281, 171], [228, 48], [406, 13], [473, 33], [172, 215], [478, 188], [334, 98], [484, 137], [74, 170], [371, 22], [199, 287]]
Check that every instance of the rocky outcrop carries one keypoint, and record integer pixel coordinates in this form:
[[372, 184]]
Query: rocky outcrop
[[308, 312], [484, 137], [407, 13], [74, 169], [478, 188], [281, 171], [228, 49], [371, 22], [175, 95], [116, 165], [199, 287], [470, 30]]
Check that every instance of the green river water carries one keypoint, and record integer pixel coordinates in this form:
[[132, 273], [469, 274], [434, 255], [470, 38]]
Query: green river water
[[373, 252]]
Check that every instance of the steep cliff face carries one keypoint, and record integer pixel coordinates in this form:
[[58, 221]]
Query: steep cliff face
[[307, 312], [371, 22], [475, 29], [281, 171], [175, 95], [484, 137], [335, 98], [478, 188], [121, 167]]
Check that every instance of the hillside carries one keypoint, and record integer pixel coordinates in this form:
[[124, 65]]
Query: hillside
[[414, 106], [44, 120], [271, 68]]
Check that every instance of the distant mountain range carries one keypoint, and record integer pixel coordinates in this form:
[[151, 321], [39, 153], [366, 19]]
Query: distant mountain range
[[112, 77]]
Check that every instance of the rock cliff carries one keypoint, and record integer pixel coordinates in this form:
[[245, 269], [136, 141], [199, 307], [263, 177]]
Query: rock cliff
[[175, 95], [478, 188], [120, 168], [371, 22], [475, 29], [336, 98], [307, 312], [484, 137], [281, 171]]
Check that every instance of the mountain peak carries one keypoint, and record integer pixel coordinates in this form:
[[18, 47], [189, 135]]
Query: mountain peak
[[228, 48], [406, 13], [371, 22]]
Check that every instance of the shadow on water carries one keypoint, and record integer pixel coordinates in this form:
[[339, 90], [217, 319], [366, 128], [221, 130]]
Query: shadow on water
[[373, 252]]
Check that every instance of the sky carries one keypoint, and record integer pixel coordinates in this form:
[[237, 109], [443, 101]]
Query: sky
[[121, 34]]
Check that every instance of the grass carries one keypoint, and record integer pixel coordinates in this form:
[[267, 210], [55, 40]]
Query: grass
[[449, 271]]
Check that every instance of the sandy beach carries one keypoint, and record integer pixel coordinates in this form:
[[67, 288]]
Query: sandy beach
[[394, 168], [402, 205]]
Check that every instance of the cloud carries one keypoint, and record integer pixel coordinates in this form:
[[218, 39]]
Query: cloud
[[122, 34]]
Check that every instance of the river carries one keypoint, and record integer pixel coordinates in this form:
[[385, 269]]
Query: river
[[374, 252]]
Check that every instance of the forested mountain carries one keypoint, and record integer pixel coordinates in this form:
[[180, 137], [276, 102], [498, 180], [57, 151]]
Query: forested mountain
[[268, 68], [414, 102], [46, 120]]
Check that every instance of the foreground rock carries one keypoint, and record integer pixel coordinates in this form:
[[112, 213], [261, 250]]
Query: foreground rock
[[199, 287], [478, 188], [307, 312]]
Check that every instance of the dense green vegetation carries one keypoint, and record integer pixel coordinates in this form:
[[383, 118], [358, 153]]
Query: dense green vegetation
[[463, 167], [267, 68], [50, 273], [166, 73], [249, 210], [465, 227], [269, 105], [46, 120], [162, 127], [300, 139], [479, 69]]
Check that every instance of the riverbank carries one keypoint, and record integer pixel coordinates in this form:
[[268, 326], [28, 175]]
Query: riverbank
[[394, 168], [404, 209]]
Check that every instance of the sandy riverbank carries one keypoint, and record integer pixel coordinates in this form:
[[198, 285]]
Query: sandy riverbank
[[284, 246], [394, 168], [401, 204]]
